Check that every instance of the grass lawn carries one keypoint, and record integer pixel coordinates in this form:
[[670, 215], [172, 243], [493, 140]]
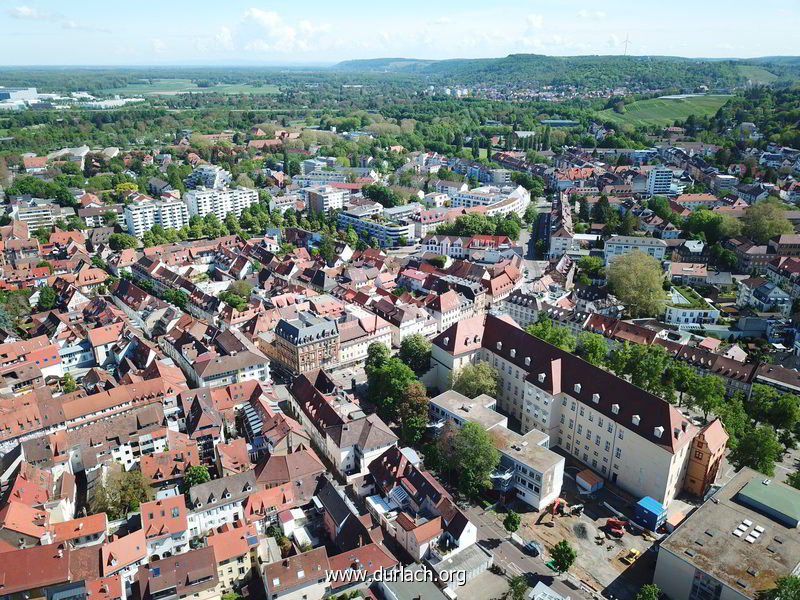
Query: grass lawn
[[664, 111], [756, 74], [182, 86]]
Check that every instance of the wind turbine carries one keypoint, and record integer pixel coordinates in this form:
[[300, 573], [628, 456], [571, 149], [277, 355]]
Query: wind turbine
[[626, 45]]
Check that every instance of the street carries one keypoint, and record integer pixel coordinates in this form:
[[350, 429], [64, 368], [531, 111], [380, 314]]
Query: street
[[494, 538]]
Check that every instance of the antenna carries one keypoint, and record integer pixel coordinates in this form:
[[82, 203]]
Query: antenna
[[626, 45]]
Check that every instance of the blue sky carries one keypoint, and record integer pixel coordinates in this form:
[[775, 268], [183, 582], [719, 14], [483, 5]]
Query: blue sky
[[114, 32]]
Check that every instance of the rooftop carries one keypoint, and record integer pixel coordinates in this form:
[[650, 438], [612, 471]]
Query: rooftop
[[763, 550], [478, 409]]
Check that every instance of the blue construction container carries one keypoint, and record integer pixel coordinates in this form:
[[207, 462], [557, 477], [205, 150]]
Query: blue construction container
[[649, 513]]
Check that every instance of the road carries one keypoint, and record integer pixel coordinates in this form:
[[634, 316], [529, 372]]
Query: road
[[506, 555]]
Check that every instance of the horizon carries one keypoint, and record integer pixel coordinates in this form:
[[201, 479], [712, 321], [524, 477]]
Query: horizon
[[315, 33]]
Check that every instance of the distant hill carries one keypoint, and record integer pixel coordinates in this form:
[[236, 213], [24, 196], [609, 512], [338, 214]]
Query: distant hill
[[589, 71]]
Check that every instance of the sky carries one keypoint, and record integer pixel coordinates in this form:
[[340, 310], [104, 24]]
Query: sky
[[208, 32]]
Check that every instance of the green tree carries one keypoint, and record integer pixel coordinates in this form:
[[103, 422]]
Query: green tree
[[121, 495], [620, 359], [764, 220], [648, 591], [759, 449], [635, 278], [786, 588], [794, 480], [593, 348], [707, 393], [415, 351], [784, 412], [646, 367], [68, 384], [517, 587], [412, 413], [475, 379], [593, 266], [195, 475], [733, 415], [512, 521], [327, 249], [47, 298], [477, 458], [563, 556], [682, 377], [377, 355], [553, 334], [388, 385]]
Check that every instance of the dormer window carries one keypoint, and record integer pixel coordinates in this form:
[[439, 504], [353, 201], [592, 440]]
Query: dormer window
[[499, 345], [615, 408], [658, 431], [541, 377], [513, 352], [596, 398], [527, 361], [635, 419], [577, 388]]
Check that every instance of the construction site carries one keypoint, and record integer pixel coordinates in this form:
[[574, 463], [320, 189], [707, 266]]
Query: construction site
[[615, 554]]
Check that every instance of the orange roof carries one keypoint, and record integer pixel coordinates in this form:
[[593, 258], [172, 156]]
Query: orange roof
[[21, 518], [164, 517], [104, 588], [32, 486], [170, 464], [100, 336], [267, 502], [715, 435], [229, 542], [370, 559], [70, 530], [234, 455], [123, 551]]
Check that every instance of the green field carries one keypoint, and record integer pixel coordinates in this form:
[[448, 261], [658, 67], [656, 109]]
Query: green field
[[166, 87], [756, 74], [664, 111]]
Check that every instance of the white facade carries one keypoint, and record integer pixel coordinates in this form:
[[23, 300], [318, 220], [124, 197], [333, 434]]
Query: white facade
[[203, 201], [141, 216], [659, 181], [325, 199], [210, 176], [622, 244]]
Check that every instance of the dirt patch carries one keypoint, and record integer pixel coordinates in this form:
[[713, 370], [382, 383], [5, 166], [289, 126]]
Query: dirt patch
[[583, 531]]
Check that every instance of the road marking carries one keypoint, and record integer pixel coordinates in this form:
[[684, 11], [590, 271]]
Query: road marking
[[514, 567]]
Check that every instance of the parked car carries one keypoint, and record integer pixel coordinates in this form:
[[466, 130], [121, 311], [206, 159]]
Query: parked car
[[533, 548]]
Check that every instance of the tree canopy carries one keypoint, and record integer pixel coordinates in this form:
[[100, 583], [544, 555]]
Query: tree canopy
[[475, 379], [636, 279]]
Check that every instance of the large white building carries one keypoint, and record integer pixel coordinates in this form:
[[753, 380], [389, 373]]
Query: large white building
[[203, 201], [210, 176], [500, 200], [324, 199], [527, 466], [622, 244], [632, 438], [659, 181], [142, 214]]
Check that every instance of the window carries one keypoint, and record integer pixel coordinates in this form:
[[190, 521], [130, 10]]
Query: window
[[600, 421], [608, 446], [571, 423], [622, 437], [618, 453], [580, 428], [562, 419], [176, 512], [610, 427], [698, 455], [591, 417], [597, 441], [581, 410]]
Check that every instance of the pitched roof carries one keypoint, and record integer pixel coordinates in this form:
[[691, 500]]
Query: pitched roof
[[164, 517], [70, 530], [123, 551]]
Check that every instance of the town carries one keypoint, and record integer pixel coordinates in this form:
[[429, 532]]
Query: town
[[458, 338]]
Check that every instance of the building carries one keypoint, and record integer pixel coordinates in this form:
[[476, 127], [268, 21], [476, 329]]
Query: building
[[324, 199], [219, 201], [166, 526], [219, 501], [306, 343], [192, 574], [368, 221], [298, 577], [234, 547], [145, 212], [528, 469], [659, 181], [209, 176], [685, 307], [630, 437], [37, 213], [738, 543], [763, 296], [622, 244]]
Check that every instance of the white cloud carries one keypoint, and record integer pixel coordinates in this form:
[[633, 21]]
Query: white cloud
[[442, 21], [159, 46], [589, 14], [225, 38], [28, 12], [536, 21], [69, 24]]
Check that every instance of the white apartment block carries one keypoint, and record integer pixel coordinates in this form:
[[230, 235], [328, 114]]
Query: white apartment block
[[203, 201], [143, 214], [504, 199], [631, 438], [622, 244], [388, 233], [659, 181], [320, 178], [527, 465], [324, 199], [210, 176], [37, 214]]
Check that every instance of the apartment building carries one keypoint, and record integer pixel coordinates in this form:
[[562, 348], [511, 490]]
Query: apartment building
[[219, 201], [306, 343], [324, 199], [688, 309], [208, 176], [521, 306], [219, 501], [630, 437], [489, 196], [369, 222], [37, 213], [166, 526], [659, 181], [528, 467], [234, 548], [192, 575], [623, 244], [145, 212]]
